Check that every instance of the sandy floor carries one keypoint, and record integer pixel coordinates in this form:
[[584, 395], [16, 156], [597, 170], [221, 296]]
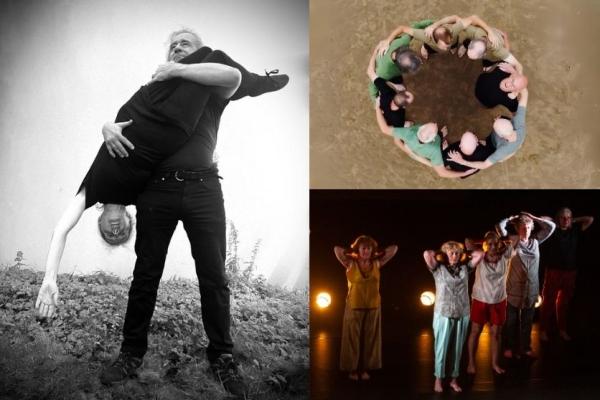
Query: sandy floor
[[554, 40]]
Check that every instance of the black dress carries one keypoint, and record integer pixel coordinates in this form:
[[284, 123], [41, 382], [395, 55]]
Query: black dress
[[164, 115]]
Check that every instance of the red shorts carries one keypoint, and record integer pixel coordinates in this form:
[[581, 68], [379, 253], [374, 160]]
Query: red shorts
[[482, 312]]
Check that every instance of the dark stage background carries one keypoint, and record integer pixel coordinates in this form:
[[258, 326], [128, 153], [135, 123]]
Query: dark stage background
[[417, 220]]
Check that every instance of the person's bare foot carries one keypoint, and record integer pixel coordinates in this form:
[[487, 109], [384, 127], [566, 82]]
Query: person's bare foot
[[437, 386], [498, 370], [365, 376], [508, 353], [530, 354], [565, 336], [353, 376], [544, 336], [454, 385], [471, 369]]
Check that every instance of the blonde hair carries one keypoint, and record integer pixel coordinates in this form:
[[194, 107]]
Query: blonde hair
[[453, 246]]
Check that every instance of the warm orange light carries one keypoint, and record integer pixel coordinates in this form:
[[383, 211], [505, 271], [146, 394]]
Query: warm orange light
[[427, 298], [539, 301], [323, 300]]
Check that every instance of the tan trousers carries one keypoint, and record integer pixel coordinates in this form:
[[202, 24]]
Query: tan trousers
[[361, 339]]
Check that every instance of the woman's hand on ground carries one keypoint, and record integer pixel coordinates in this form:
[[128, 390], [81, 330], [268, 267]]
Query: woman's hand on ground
[[47, 299]]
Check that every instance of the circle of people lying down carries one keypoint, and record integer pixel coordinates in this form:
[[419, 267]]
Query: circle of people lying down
[[501, 83]]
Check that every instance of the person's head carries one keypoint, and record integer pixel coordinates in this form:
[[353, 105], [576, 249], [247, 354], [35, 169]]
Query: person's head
[[182, 43], [524, 226], [403, 98], [115, 224], [564, 216], [514, 83], [442, 38], [468, 143], [453, 251], [492, 245], [504, 128], [407, 61], [365, 246], [476, 49], [427, 132]]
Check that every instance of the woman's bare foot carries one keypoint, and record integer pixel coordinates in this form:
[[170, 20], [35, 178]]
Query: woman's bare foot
[[565, 336], [353, 376], [471, 369], [437, 386], [508, 353], [454, 385], [498, 370], [365, 376]]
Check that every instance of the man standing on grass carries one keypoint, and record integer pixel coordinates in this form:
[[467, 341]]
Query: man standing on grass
[[186, 187]]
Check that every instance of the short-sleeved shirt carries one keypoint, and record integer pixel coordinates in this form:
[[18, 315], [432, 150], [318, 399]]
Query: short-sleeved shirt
[[504, 148], [492, 53], [392, 117], [455, 29], [490, 279], [488, 92], [452, 290], [431, 151], [363, 287], [560, 250], [481, 153]]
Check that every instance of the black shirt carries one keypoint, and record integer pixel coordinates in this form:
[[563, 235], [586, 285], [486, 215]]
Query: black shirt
[[394, 118], [488, 92], [481, 153], [560, 250]]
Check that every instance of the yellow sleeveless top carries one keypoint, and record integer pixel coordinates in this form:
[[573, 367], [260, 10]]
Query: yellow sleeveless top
[[363, 287]]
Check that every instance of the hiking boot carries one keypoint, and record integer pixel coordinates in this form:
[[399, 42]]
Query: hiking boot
[[226, 372], [124, 366]]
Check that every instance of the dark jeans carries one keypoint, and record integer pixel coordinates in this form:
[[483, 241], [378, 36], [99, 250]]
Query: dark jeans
[[517, 329], [199, 205]]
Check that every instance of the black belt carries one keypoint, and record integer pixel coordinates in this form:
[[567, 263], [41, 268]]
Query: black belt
[[182, 175]]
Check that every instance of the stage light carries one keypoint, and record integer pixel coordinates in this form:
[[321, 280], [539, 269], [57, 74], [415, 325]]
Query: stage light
[[427, 298], [539, 301], [323, 300]]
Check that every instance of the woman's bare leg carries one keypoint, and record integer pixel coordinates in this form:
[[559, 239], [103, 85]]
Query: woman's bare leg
[[495, 332], [472, 346]]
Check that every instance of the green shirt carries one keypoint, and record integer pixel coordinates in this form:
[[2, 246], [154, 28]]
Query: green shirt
[[384, 65], [431, 151], [492, 53]]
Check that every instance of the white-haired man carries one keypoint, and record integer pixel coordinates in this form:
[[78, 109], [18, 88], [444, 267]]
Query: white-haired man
[[507, 138], [185, 187]]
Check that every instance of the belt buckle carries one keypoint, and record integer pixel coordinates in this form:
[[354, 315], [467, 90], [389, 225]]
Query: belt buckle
[[177, 178]]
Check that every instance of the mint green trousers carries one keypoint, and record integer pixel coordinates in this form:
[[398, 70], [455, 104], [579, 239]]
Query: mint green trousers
[[449, 337]]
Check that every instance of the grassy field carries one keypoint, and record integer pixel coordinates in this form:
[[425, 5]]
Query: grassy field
[[62, 358]]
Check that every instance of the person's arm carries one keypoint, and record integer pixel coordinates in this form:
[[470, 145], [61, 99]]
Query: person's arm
[[514, 62], [546, 225], [371, 67], [385, 128], [446, 173], [457, 158], [501, 229], [388, 253], [523, 97], [492, 36], [476, 257], [224, 79], [410, 153], [584, 221], [505, 38], [402, 29], [342, 255], [114, 139], [430, 261], [47, 299], [451, 19]]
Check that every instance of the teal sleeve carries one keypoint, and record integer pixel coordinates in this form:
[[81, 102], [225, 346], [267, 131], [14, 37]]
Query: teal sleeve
[[373, 91], [400, 133], [436, 158]]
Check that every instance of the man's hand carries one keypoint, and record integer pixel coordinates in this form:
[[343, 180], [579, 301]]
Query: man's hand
[[429, 31], [495, 40], [455, 156], [47, 299], [166, 71], [424, 52], [382, 48], [506, 67], [114, 139]]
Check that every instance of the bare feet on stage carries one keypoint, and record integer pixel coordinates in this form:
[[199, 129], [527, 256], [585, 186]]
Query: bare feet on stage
[[498, 370], [454, 385], [365, 376], [471, 369], [437, 386]]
